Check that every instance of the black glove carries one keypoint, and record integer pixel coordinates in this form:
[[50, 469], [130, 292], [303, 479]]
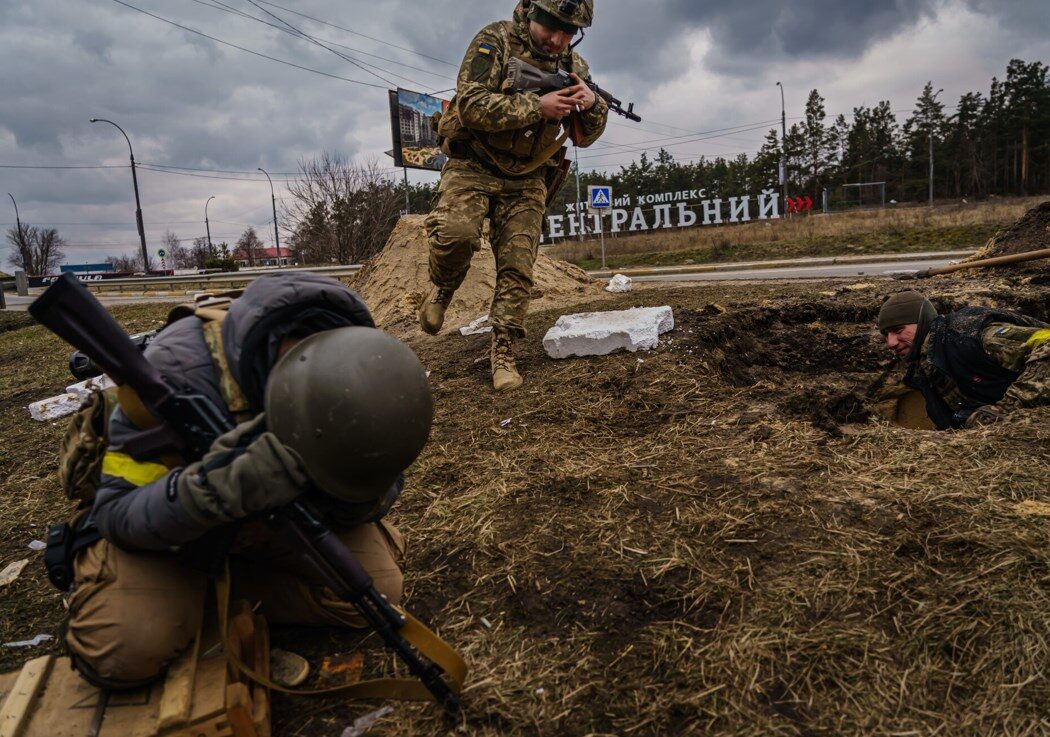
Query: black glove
[[246, 471]]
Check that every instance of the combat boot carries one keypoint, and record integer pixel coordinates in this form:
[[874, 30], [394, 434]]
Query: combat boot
[[432, 311], [505, 376]]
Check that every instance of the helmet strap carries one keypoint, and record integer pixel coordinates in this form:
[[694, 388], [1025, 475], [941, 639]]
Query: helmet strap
[[576, 43]]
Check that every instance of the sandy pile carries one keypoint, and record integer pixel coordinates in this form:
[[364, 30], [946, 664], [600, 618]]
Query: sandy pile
[[395, 282], [1030, 233]]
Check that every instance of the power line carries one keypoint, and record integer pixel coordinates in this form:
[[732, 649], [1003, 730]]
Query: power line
[[50, 166], [242, 48], [221, 6], [362, 35]]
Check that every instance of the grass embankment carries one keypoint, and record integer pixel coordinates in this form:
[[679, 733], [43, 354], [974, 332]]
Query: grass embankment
[[946, 228]]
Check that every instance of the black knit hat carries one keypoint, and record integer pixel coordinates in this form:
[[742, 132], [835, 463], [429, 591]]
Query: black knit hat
[[905, 308]]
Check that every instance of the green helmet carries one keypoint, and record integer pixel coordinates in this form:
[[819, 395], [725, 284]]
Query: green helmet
[[355, 404], [576, 13]]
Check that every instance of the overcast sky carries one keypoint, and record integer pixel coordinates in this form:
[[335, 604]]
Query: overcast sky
[[690, 66]]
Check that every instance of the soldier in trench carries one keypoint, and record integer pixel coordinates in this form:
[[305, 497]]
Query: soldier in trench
[[971, 365]]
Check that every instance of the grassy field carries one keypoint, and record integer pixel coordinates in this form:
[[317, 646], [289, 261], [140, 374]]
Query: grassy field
[[949, 227], [715, 537]]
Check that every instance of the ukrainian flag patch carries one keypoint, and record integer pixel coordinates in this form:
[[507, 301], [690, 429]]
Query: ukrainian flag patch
[[484, 48]]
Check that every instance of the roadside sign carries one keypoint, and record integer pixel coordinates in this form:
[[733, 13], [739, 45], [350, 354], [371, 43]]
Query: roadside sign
[[161, 252], [599, 196]]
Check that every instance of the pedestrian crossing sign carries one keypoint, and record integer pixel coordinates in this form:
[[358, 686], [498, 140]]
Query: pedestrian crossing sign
[[599, 197]]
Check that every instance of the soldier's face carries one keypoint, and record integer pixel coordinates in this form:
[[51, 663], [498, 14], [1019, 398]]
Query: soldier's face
[[552, 41], [899, 339]]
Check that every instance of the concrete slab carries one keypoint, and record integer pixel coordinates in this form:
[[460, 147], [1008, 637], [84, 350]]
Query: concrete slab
[[601, 333]]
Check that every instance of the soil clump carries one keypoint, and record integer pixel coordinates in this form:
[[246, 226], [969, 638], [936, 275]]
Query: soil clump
[[395, 282]]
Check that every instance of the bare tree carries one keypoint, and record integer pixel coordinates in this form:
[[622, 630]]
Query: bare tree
[[124, 262], [249, 245], [37, 250], [199, 253], [342, 212], [178, 256]]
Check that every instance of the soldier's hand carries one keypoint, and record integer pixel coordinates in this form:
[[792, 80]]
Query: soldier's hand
[[246, 471], [580, 93], [983, 415], [556, 105]]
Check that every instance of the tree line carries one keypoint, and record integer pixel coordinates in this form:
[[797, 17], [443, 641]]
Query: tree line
[[994, 143]]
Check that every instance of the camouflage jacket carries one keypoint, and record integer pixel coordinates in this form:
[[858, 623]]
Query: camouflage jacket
[[509, 126], [1024, 350]]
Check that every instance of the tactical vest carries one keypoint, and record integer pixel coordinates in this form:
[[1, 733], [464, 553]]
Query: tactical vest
[[954, 349], [530, 147]]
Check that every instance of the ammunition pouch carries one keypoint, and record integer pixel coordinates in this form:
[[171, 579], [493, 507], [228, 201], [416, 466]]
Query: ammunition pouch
[[84, 445], [64, 541]]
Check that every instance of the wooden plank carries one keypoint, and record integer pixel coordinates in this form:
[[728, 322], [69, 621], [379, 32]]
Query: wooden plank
[[19, 703], [260, 694], [177, 699], [239, 710]]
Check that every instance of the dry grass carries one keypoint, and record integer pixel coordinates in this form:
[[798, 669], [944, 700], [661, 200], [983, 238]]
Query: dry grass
[[904, 228], [710, 538]]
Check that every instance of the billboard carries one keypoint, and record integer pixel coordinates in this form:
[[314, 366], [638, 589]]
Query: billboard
[[415, 140]]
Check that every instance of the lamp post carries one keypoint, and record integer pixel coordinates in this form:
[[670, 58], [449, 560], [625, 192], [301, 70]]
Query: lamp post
[[18, 222], [783, 147], [207, 225], [929, 130], [273, 200], [138, 204]]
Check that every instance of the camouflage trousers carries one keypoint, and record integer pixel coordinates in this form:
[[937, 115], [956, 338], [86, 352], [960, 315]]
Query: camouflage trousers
[[466, 196]]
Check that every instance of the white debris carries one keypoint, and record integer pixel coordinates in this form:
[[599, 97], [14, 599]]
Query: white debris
[[365, 723], [53, 408], [12, 571], [619, 283], [476, 327], [486, 624], [601, 333], [37, 545], [30, 643], [85, 387], [505, 423]]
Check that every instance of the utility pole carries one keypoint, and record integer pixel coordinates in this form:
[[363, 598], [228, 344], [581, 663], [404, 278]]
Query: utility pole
[[273, 201], [783, 149], [207, 225], [929, 130], [579, 202], [138, 204], [408, 202]]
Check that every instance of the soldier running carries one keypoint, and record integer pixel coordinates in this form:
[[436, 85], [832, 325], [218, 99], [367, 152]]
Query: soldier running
[[505, 155]]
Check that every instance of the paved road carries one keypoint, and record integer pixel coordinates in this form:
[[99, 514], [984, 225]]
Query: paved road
[[882, 270]]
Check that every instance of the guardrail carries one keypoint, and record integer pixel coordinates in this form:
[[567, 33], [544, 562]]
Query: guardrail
[[202, 282]]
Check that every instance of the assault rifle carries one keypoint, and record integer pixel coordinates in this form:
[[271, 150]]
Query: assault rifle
[[522, 77], [70, 311]]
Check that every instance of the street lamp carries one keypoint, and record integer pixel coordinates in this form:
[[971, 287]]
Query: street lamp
[[18, 222], [783, 147], [138, 204], [273, 200], [929, 130], [207, 226]]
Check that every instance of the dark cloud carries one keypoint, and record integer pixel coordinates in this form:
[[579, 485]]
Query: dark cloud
[[188, 101]]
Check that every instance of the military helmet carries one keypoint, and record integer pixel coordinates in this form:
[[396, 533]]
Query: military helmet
[[355, 404], [577, 13]]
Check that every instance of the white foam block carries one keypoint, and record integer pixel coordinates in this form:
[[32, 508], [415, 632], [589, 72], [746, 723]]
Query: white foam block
[[619, 283], [601, 333], [85, 387], [54, 407]]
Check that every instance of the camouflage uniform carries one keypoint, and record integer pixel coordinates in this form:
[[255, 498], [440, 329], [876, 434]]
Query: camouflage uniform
[[1016, 348], [506, 131]]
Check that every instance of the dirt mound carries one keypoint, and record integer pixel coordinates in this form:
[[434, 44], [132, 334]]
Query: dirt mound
[[1030, 233], [396, 281]]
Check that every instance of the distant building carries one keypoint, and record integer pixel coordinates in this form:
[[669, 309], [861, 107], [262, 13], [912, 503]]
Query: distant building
[[416, 130], [263, 257]]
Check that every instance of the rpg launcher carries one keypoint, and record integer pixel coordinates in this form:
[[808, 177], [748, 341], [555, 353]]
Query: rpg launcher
[[522, 77], [193, 422]]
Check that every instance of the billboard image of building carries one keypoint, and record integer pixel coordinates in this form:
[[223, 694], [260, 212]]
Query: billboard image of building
[[415, 140]]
